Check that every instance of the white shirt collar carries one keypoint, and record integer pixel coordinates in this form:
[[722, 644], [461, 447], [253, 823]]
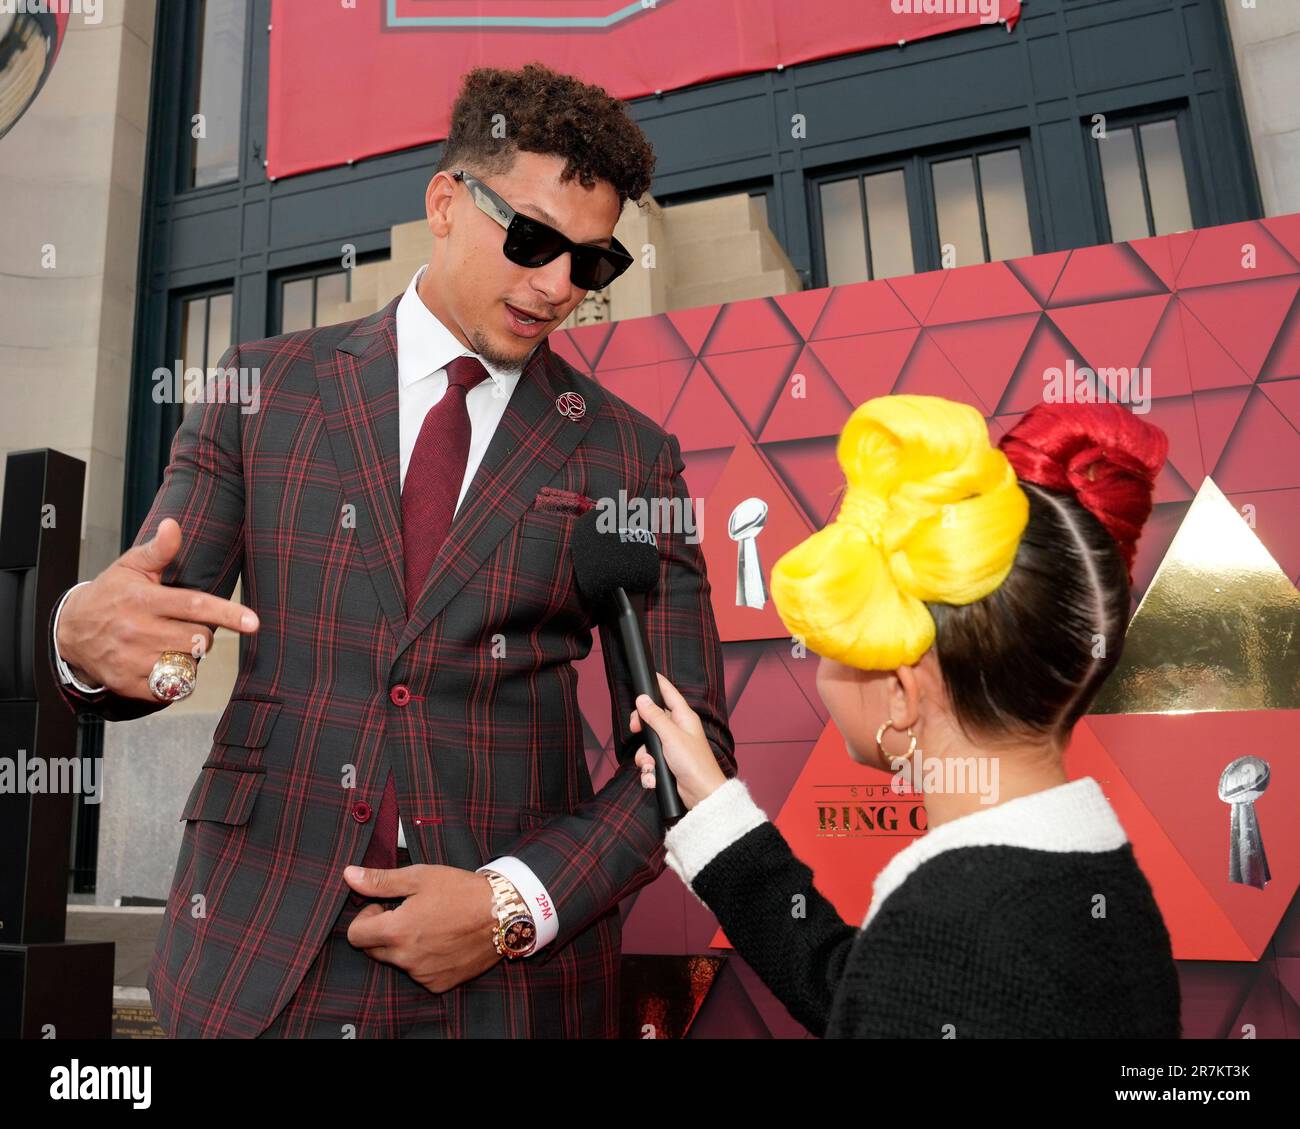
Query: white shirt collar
[[425, 345], [1074, 816]]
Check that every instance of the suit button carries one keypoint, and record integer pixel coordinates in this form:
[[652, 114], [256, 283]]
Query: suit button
[[400, 694], [361, 811]]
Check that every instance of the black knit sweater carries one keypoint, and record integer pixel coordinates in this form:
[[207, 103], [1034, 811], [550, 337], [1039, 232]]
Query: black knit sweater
[[976, 941]]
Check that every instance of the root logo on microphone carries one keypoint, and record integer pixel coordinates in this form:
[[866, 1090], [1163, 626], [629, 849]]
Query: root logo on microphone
[[561, 15], [639, 536]]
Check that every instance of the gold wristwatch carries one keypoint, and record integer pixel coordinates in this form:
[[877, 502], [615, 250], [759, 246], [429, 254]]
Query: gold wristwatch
[[515, 933]]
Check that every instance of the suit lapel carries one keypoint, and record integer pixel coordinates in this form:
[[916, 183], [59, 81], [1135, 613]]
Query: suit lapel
[[358, 390], [528, 448], [359, 396]]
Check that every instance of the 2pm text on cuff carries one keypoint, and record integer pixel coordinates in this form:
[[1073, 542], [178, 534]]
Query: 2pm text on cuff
[[534, 895]]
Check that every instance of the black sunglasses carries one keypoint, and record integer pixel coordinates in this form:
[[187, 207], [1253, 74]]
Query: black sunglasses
[[531, 243]]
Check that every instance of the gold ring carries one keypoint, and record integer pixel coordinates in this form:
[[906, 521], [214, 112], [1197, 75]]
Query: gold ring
[[173, 676]]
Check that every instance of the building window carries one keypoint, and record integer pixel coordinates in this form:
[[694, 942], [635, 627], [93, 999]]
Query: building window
[[865, 228], [980, 208], [318, 299], [923, 212], [205, 334], [216, 91], [1144, 179]]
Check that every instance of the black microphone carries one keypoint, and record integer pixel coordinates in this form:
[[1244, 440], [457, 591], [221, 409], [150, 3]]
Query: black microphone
[[609, 568]]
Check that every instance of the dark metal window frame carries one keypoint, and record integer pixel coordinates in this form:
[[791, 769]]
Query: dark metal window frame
[[275, 293], [899, 164], [171, 414], [922, 207], [190, 82], [973, 153], [1178, 113]]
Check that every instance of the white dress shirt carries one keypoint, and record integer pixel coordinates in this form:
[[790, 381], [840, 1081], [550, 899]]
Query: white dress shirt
[[424, 349]]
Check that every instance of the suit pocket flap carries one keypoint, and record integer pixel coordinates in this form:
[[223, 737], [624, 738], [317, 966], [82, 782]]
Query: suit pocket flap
[[247, 722], [223, 794]]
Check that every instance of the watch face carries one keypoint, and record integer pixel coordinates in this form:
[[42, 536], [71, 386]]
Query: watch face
[[520, 934]]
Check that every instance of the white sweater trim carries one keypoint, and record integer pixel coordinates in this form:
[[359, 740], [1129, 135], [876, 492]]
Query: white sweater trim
[[710, 827], [1074, 816]]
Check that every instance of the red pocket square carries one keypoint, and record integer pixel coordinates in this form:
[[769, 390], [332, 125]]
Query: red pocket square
[[552, 500]]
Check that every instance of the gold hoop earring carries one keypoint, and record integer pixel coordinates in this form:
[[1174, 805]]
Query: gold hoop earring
[[880, 742]]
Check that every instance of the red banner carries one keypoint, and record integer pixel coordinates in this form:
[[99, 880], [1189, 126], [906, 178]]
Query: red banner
[[352, 81]]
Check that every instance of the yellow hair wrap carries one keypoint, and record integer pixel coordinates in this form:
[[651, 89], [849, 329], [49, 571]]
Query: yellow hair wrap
[[933, 513]]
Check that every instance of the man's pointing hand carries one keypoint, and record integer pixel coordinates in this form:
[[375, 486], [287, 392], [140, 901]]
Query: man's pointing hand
[[113, 630]]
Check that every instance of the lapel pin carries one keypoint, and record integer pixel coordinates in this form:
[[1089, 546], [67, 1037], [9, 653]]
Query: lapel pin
[[572, 405]]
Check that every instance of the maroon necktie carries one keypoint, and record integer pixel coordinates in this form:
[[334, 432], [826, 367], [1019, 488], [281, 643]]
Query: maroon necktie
[[433, 481]]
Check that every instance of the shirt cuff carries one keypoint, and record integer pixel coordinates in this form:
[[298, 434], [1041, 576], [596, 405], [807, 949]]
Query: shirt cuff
[[65, 671], [710, 827], [533, 893]]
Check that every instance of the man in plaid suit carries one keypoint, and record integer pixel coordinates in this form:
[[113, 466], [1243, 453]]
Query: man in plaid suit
[[399, 667]]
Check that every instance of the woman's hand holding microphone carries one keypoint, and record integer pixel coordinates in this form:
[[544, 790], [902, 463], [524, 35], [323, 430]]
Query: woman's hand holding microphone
[[687, 750]]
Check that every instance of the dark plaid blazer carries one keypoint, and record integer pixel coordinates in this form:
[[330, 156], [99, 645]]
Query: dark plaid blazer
[[302, 498]]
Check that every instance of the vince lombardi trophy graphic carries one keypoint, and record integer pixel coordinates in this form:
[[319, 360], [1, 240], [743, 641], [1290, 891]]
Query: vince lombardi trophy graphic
[[1242, 783], [744, 526]]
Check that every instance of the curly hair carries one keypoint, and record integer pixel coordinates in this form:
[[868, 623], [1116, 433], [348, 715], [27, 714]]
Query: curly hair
[[543, 111]]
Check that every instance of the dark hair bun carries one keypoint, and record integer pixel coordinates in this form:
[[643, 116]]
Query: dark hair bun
[[1102, 454]]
